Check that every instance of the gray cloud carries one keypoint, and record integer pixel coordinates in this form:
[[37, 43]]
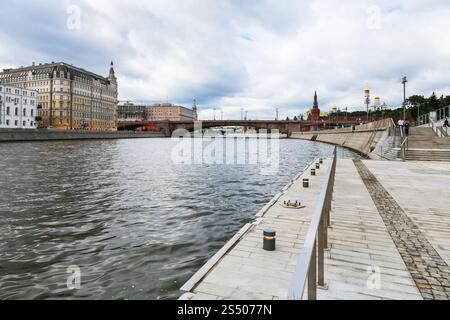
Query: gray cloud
[[256, 54]]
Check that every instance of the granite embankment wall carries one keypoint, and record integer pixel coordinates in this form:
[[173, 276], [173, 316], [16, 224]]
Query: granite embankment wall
[[14, 135], [364, 139]]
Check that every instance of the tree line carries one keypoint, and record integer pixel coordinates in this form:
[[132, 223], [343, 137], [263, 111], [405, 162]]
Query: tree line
[[416, 104]]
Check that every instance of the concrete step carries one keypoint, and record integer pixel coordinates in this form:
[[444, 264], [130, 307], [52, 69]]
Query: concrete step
[[427, 142], [428, 132], [424, 154], [427, 155]]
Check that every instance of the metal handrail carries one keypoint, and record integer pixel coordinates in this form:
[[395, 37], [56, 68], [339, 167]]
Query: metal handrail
[[404, 146], [402, 133], [432, 124], [392, 126], [441, 132], [444, 132], [311, 266]]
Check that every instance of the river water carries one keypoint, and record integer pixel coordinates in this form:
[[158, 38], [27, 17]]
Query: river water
[[136, 225]]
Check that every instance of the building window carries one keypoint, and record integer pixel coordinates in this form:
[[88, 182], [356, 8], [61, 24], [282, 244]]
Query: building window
[[7, 122], [24, 112], [24, 123], [7, 111], [16, 123], [16, 112]]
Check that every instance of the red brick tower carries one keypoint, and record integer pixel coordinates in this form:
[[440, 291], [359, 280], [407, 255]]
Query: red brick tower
[[315, 111]]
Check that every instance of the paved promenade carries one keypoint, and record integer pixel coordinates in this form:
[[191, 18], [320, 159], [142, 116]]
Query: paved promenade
[[389, 238]]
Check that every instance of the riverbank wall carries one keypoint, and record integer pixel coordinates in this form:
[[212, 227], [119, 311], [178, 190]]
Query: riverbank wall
[[365, 139], [17, 135]]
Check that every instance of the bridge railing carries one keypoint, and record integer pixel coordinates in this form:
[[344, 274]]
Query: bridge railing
[[310, 271]]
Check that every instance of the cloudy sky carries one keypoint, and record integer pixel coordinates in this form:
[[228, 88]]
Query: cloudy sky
[[253, 54]]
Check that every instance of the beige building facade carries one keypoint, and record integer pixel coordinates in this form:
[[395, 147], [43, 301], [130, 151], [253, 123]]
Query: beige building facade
[[166, 111], [129, 112], [69, 98]]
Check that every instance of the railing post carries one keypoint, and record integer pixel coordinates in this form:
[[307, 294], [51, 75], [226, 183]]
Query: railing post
[[310, 271], [322, 236], [312, 275], [326, 222]]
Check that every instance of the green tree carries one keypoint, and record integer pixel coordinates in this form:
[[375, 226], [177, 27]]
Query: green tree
[[433, 102], [417, 100], [444, 101]]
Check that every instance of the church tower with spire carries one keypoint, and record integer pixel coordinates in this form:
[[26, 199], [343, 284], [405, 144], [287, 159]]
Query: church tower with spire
[[113, 84], [112, 75], [315, 111], [195, 109]]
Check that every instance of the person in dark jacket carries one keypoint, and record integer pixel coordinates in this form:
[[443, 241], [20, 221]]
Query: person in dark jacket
[[406, 125], [446, 123]]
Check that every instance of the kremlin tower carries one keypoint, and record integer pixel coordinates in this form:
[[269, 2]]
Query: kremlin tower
[[315, 111]]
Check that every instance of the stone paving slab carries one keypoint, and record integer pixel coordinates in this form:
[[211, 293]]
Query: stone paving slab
[[429, 271], [360, 244], [424, 196]]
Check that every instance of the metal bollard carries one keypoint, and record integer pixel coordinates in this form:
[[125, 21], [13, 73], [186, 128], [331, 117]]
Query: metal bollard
[[269, 240], [317, 165], [305, 183], [313, 172], [321, 161]]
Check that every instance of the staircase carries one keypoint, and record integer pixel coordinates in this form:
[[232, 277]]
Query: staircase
[[428, 155], [425, 145], [392, 154], [426, 138]]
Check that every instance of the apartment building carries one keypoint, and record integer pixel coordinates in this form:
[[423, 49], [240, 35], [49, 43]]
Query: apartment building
[[69, 98], [18, 108]]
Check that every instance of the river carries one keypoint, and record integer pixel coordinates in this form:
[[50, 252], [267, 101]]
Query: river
[[136, 225]]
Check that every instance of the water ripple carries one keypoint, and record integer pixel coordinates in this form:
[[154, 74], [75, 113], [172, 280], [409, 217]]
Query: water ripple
[[136, 225]]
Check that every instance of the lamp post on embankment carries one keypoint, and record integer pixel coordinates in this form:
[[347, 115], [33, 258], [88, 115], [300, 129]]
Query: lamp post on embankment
[[418, 115], [367, 101], [346, 114], [404, 82]]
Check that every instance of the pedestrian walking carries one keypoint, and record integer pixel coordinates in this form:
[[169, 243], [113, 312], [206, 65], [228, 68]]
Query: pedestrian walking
[[406, 125], [446, 123], [400, 124]]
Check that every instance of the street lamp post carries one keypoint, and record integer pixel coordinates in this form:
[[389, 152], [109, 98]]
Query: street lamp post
[[418, 115], [404, 82], [346, 114], [334, 112], [367, 101]]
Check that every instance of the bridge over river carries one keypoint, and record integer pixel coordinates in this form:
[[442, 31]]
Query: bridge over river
[[284, 127]]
